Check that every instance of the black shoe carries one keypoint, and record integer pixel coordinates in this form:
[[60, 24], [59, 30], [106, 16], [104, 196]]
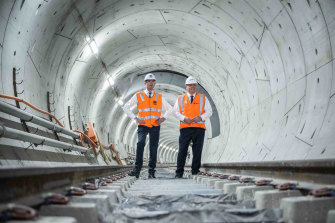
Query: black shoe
[[151, 175], [134, 173], [178, 176]]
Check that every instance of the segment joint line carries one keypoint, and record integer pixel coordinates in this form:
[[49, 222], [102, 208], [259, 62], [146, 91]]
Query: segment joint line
[[162, 16], [34, 64]]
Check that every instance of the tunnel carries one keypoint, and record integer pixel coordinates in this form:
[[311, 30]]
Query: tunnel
[[266, 66]]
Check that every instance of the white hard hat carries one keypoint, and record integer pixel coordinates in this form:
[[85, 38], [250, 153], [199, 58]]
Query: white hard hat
[[149, 76], [191, 80]]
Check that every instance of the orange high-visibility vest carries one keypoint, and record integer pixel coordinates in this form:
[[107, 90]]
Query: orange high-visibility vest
[[192, 110], [149, 109]]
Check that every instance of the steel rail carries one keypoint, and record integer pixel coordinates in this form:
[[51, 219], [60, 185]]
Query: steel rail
[[11, 110], [312, 171], [25, 184]]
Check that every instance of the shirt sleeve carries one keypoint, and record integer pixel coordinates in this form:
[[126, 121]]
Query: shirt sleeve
[[176, 111], [128, 105], [167, 107], [207, 109]]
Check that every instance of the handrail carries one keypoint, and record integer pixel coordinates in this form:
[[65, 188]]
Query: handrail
[[32, 106]]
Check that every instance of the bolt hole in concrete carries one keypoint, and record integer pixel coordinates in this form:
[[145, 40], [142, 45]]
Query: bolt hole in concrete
[[166, 199]]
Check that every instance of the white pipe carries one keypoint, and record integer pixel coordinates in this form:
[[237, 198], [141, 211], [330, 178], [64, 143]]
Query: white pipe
[[11, 110], [28, 137]]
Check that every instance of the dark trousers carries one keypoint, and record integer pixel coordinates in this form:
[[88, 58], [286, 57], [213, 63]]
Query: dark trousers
[[142, 133], [197, 136]]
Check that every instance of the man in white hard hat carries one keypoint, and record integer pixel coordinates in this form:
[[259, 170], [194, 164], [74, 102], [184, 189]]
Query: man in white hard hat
[[149, 104], [192, 109]]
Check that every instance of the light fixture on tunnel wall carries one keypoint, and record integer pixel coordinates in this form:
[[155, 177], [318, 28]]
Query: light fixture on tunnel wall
[[120, 102], [111, 81], [94, 47]]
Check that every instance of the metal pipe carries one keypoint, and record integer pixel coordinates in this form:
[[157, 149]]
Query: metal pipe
[[28, 137], [11, 110], [2, 131]]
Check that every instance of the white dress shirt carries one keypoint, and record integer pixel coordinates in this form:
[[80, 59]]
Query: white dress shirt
[[134, 101], [207, 109]]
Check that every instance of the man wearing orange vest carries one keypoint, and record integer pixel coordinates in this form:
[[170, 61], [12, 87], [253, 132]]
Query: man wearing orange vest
[[149, 104], [192, 109]]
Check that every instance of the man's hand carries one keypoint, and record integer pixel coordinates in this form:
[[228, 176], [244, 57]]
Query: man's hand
[[160, 121], [139, 121], [197, 119], [187, 120]]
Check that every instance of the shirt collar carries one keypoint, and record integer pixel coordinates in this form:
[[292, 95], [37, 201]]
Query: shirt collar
[[189, 95], [147, 92]]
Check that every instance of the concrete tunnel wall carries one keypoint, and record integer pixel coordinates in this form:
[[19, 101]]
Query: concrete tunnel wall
[[268, 66]]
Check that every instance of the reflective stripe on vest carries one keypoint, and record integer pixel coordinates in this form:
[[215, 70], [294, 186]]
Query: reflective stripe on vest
[[191, 110], [149, 109], [181, 105], [141, 95], [149, 117]]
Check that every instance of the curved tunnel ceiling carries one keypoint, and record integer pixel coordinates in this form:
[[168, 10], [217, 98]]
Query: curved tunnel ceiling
[[266, 65]]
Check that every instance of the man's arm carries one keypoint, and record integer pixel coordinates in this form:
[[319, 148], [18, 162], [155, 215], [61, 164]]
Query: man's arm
[[208, 112], [179, 116], [176, 111], [127, 110], [168, 109]]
